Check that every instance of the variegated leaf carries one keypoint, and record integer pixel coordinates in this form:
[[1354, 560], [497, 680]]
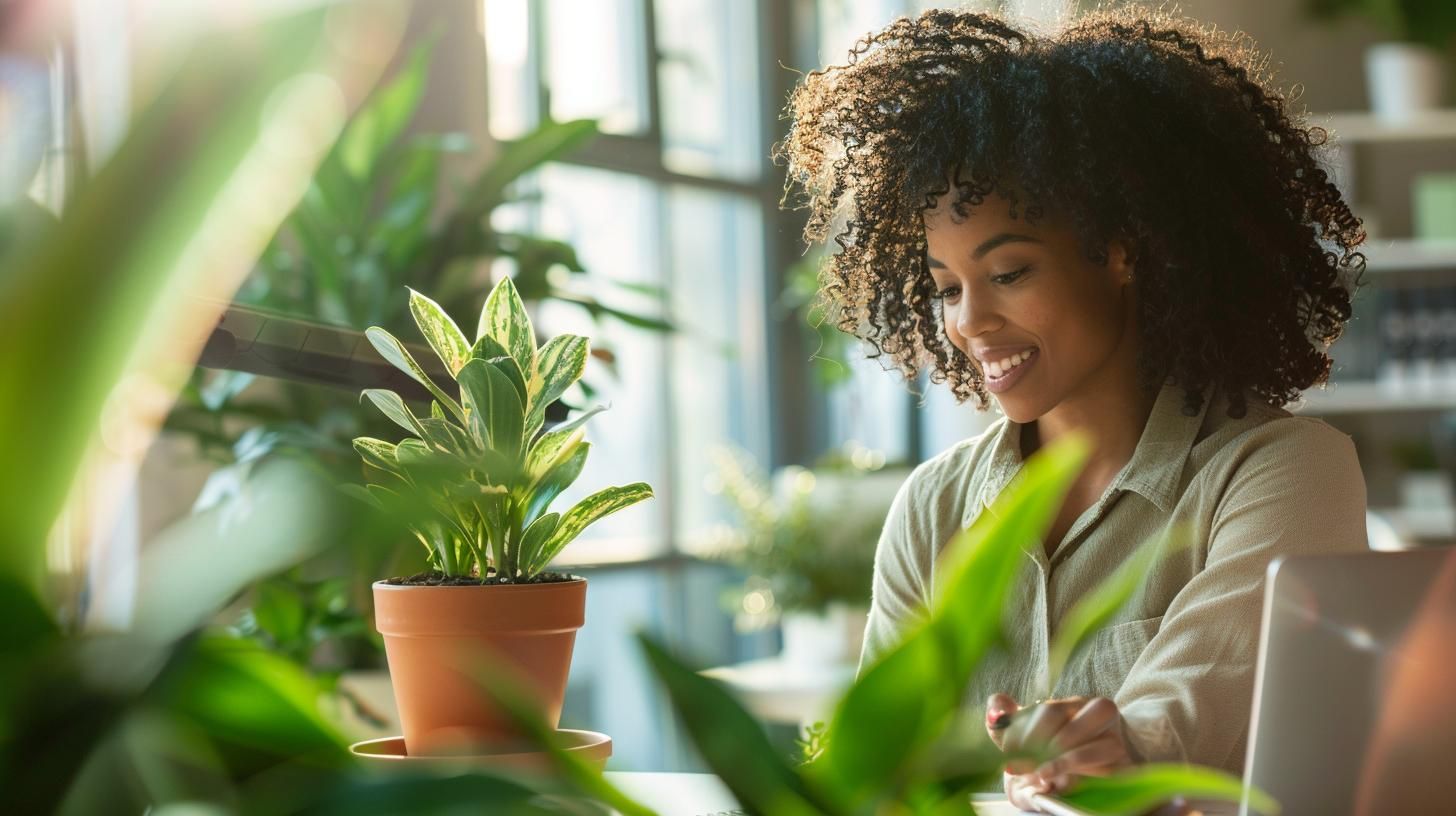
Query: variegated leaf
[[447, 437], [555, 480], [394, 351], [505, 320], [587, 511], [545, 449], [392, 406], [440, 330], [536, 537], [560, 363], [377, 453], [551, 451]]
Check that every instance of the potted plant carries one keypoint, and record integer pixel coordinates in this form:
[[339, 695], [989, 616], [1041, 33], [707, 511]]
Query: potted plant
[[806, 540], [1406, 73], [476, 479]]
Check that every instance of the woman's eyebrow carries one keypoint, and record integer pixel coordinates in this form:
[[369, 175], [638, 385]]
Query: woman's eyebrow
[[988, 245]]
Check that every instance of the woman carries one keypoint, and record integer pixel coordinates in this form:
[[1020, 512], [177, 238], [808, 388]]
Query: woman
[[1115, 227]]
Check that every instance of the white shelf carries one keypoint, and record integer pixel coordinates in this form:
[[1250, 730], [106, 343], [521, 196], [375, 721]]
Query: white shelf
[[1350, 127], [1421, 523], [1407, 255], [1375, 397]]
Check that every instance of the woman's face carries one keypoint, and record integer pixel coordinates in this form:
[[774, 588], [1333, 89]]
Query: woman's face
[[1043, 324]]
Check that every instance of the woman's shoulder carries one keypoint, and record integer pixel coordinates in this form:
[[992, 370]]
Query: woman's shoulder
[[1270, 445], [1269, 432]]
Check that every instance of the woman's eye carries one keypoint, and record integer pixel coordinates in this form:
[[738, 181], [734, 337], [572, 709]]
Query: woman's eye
[[1010, 276], [948, 292]]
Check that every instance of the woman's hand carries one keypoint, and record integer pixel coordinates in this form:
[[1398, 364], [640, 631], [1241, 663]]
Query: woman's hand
[[1081, 737]]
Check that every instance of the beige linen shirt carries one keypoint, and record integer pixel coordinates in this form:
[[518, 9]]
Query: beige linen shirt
[[1178, 659]]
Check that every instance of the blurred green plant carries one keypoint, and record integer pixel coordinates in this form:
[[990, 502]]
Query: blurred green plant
[[806, 538], [1428, 22], [894, 744], [817, 317], [487, 478], [167, 716]]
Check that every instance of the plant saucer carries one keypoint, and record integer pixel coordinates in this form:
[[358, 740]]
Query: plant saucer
[[591, 746]]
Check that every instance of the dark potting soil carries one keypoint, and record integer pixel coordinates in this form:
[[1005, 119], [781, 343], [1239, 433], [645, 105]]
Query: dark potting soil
[[436, 578]]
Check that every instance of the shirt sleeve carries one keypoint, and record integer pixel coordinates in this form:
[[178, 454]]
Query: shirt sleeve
[[1188, 696], [899, 594]]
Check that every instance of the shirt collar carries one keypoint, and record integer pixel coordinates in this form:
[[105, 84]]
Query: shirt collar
[[1156, 463]]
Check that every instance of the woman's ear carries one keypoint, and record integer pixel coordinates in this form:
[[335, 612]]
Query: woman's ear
[[1122, 255]]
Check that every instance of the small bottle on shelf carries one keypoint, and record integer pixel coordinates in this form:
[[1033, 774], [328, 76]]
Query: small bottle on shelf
[[1395, 335], [1446, 330], [1425, 342]]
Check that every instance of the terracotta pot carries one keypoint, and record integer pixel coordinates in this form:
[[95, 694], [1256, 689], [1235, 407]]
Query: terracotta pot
[[438, 639]]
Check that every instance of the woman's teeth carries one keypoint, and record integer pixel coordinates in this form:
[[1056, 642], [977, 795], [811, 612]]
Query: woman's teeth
[[999, 369]]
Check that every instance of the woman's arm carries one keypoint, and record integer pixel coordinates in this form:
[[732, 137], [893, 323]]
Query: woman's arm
[[1298, 489], [900, 594]]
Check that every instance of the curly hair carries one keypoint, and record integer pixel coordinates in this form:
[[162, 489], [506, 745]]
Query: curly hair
[[1140, 126]]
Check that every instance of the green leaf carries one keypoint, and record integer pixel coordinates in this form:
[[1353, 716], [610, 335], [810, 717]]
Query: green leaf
[[1095, 608], [508, 367], [548, 142], [279, 612], [447, 437], [378, 453], [393, 407], [361, 493], [398, 356], [551, 450], [504, 319], [730, 740], [561, 362], [248, 700], [493, 407], [598, 505], [536, 536], [486, 348], [554, 481], [902, 703], [1140, 789], [544, 451], [384, 116], [443, 335]]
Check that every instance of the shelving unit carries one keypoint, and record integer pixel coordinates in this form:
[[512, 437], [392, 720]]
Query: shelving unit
[[1375, 397], [1385, 257]]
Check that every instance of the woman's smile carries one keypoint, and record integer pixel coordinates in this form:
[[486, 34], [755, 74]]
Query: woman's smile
[[1001, 378]]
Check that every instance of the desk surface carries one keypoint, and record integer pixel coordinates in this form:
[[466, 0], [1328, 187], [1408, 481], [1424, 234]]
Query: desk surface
[[691, 794]]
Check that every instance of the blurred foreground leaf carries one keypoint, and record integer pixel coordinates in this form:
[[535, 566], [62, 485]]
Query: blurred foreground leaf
[[1140, 789]]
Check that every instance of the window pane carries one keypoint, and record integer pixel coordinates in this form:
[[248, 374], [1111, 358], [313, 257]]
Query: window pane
[[611, 219], [510, 87], [596, 61], [872, 407], [842, 22], [708, 80], [718, 359]]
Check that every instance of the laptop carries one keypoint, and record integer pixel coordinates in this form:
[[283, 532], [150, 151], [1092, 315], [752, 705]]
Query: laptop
[[1355, 688]]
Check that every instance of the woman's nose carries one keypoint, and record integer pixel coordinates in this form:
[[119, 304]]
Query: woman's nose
[[974, 318]]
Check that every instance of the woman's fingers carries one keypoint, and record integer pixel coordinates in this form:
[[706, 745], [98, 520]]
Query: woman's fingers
[[1034, 730], [1094, 718], [1021, 787], [1104, 752], [999, 708]]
